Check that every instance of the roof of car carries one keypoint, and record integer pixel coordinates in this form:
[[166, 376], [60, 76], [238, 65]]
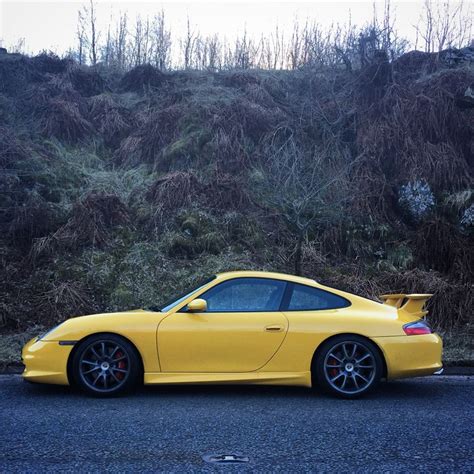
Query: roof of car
[[261, 274]]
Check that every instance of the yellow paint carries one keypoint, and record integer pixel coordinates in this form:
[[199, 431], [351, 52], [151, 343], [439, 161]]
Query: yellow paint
[[258, 347]]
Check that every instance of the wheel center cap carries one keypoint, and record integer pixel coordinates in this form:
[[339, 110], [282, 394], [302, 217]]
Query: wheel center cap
[[349, 367], [104, 366]]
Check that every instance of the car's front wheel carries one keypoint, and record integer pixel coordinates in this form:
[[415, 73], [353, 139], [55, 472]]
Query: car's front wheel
[[348, 366], [105, 365]]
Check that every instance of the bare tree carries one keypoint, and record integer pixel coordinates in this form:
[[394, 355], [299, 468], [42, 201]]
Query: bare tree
[[295, 46], [81, 35], [188, 45], [140, 43], [120, 41], [94, 34], [160, 42], [301, 187], [245, 52], [107, 48], [444, 25], [214, 53], [87, 33], [137, 42], [273, 51]]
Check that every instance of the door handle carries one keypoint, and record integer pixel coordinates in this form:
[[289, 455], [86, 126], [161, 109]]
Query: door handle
[[274, 328]]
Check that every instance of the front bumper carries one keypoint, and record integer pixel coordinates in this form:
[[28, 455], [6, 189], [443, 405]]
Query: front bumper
[[411, 356], [45, 362]]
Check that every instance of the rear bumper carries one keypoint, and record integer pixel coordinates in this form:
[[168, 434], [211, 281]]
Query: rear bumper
[[45, 362], [411, 356]]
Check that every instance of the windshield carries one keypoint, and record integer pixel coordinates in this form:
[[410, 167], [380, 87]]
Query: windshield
[[170, 304]]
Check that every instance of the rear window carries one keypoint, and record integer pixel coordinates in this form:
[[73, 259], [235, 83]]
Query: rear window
[[307, 298]]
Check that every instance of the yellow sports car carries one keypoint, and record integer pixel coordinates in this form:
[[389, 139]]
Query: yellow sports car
[[243, 327]]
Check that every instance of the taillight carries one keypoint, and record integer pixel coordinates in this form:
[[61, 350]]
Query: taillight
[[417, 328]]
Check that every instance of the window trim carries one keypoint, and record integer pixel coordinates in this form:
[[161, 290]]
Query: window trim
[[286, 283], [290, 289]]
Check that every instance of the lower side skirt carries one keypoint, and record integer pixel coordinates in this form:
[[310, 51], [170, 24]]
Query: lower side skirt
[[262, 378]]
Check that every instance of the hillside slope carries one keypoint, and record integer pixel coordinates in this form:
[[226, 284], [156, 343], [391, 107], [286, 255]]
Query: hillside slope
[[118, 190]]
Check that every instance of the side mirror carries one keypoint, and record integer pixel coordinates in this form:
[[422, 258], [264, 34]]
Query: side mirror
[[197, 306]]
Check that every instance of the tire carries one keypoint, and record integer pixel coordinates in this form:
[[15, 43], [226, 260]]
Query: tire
[[347, 366], [106, 365]]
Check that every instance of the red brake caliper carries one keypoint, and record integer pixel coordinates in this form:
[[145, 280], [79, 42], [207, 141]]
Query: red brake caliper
[[333, 372], [120, 365]]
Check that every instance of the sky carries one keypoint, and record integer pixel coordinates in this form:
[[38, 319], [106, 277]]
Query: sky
[[47, 25]]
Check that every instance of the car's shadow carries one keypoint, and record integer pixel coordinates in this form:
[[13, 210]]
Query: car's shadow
[[394, 390]]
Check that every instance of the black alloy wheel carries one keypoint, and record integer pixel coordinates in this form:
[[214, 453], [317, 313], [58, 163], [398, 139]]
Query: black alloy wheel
[[106, 365], [348, 366]]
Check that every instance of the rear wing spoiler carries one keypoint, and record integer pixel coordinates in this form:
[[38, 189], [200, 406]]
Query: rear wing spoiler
[[413, 304]]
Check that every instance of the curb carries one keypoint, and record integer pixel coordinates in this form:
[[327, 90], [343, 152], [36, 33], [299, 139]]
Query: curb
[[454, 370]]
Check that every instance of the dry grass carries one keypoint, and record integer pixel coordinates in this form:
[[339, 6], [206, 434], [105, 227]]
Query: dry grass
[[63, 300], [92, 218], [110, 119], [142, 78], [63, 120], [175, 190], [157, 129]]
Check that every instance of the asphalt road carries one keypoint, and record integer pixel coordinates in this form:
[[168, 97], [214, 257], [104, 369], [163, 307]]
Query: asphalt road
[[413, 425]]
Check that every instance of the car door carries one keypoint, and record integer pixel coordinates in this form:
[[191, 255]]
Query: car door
[[240, 331]]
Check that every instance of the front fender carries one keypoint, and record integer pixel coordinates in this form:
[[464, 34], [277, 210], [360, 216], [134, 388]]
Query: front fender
[[138, 327]]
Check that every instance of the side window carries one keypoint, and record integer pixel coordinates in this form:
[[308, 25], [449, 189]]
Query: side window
[[245, 294], [307, 298]]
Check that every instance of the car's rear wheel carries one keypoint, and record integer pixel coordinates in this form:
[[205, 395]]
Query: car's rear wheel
[[105, 365], [348, 366]]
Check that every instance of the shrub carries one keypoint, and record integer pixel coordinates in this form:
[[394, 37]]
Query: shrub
[[417, 199], [467, 219], [62, 119], [142, 77], [110, 119], [92, 218], [87, 81]]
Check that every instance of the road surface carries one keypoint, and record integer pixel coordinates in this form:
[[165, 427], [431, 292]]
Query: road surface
[[411, 425]]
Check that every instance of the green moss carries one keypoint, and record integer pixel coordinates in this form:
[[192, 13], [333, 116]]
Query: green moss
[[185, 149]]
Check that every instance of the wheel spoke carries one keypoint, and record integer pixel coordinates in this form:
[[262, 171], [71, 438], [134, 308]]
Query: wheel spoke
[[358, 361], [355, 381], [91, 370], [97, 378], [95, 353], [354, 349], [102, 346], [344, 382], [120, 358], [334, 357], [365, 366], [114, 351], [83, 361], [344, 349], [114, 376], [336, 377], [333, 366], [105, 379], [361, 376], [116, 369]]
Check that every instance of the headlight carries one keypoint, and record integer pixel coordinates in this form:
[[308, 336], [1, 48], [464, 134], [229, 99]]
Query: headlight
[[48, 332]]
